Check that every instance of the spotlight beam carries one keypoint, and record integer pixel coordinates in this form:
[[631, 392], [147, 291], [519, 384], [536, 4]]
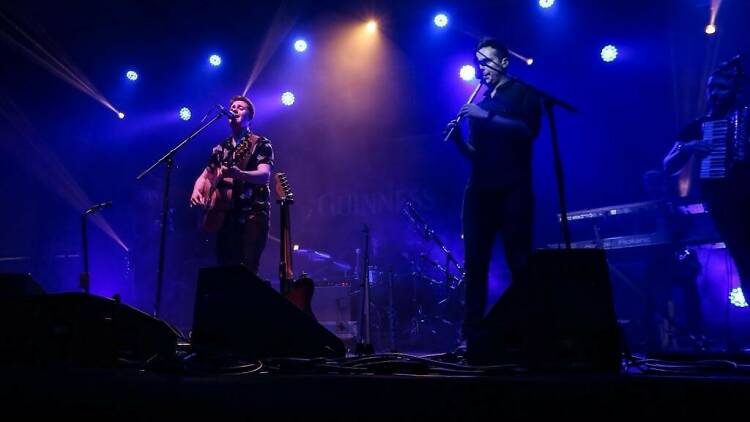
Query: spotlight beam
[[55, 65], [282, 23], [715, 5], [64, 67], [48, 168]]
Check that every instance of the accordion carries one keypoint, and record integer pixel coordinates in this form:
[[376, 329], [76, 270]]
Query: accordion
[[729, 144]]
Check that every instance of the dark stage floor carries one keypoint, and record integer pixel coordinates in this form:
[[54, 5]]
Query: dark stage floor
[[709, 388]]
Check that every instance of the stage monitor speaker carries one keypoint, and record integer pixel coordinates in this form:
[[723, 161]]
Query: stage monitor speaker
[[18, 285], [81, 330], [237, 313], [559, 316]]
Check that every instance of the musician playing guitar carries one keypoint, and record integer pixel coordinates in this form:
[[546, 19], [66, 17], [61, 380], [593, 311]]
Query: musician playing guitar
[[234, 191]]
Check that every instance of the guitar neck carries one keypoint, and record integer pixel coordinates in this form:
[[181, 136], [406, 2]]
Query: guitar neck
[[285, 266]]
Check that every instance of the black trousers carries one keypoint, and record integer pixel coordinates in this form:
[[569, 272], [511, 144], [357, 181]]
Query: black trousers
[[508, 212], [729, 206], [670, 267], [241, 239]]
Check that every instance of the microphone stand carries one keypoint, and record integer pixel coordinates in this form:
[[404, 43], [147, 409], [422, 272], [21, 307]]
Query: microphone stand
[[391, 312], [550, 102], [430, 234], [84, 280], [364, 346], [451, 281], [168, 158]]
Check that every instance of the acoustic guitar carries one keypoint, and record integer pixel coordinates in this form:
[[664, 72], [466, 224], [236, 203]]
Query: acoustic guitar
[[220, 191]]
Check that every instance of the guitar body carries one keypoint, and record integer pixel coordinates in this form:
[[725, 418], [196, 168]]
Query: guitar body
[[300, 293], [220, 203], [220, 190]]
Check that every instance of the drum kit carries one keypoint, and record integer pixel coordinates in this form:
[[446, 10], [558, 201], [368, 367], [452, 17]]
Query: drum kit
[[437, 284], [415, 302], [418, 307]]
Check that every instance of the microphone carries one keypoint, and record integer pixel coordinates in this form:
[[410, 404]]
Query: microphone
[[226, 112], [97, 207]]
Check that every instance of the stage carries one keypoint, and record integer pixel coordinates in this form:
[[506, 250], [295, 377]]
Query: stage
[[149, 394], [375, 210]]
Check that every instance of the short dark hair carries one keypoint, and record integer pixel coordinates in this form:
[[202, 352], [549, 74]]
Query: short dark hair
[[502, 50], [250, 106]]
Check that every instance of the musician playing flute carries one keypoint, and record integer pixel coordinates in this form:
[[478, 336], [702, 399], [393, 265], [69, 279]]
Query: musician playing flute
[[498, 198]]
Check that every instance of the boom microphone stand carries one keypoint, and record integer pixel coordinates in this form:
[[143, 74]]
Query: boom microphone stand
[[168, 159], [549, 103], [84, 280], [364, 345]]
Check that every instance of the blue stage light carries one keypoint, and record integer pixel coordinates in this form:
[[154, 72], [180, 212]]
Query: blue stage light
[[132, 75], [441, 20], [185, 113], [300, 45], [609, 53], [215, 60], [468, 73], [546, 4], [287, 98], [121, 115]]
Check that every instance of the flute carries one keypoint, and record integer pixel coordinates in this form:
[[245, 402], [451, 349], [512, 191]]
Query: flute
[[458, 119]]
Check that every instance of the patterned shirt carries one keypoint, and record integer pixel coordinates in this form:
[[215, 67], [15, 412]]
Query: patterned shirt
[[247, 197]]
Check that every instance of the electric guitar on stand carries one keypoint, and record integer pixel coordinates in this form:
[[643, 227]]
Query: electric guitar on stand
[[299, 291]]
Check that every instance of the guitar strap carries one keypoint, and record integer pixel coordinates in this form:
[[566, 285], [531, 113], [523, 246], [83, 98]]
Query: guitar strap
[[253, 139], [242, 162]]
